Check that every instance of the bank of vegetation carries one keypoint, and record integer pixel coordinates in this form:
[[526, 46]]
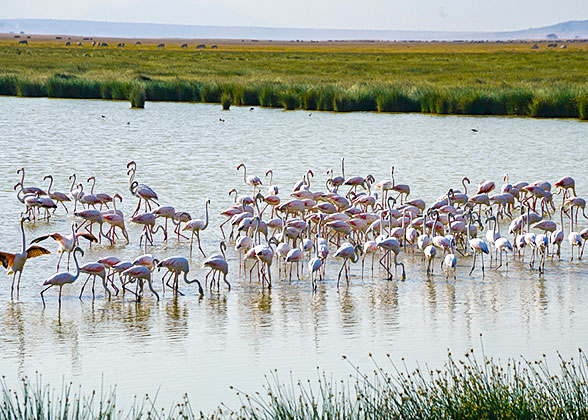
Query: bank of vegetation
[[491, 82], [463, 389]]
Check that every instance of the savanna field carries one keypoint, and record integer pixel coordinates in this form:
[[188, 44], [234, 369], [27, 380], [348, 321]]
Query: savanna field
[[505, 343], [436, 77]]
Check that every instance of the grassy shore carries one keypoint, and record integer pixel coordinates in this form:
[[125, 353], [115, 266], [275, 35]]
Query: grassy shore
[[464, 389], [441, 78]]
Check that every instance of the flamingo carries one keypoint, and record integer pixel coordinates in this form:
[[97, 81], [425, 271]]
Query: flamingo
[[141, 191], [61, 279], [574, 238], [477, 245], [67, 243], [94, 270], [148, 222], [115, 218], [272, 189], [14, 263], [348, 252], [450, 262], [218, 264], [31, 201], [178, 265], [56, 195], [140, 274], [88, 199], [90, 217], [196, 226], [29, 190], [251, 180]]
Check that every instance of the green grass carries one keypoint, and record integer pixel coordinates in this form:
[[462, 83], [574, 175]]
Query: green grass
[[419, 77], [462, 389]]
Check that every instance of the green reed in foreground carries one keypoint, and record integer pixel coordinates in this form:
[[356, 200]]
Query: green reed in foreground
[[463, 389]]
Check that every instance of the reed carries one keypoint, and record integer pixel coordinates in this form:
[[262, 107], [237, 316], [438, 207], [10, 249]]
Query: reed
[[269, 95], [583, 107], [469, 389], [8, 85], [137, 95], [30, 88], [211, 92], [226, 101], [65, 86], [396, 99], [290, 98]]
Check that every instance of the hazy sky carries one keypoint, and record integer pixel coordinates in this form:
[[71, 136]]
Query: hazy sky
[[460, 15]]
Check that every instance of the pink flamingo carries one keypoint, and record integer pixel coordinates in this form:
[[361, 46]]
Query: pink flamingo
[[14, 263], [196, 226], [177, 266], [94, 270], [67, 243], [61, 279], [56, 195], [141, 191]]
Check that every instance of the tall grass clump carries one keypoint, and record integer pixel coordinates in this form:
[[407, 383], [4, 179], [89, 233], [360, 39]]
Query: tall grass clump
[[473, 101], [516, 100], [582, 103], [465, 389], [137, 95], [326, 98], [8, 85], [30, 88], [394, 99], [246, 95], [211, 92], [310, 97], [226, 101], [290, 99], [554, 102], [269, 95], [115, 89], [176, 91], [64, 86]]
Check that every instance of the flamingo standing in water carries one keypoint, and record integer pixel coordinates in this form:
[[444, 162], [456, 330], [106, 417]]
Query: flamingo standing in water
[[115, 218], [251, 180], [67, 243], [56, 196], [176, 266], [61, 279], [142, 191], [218, 264], [148, 222], [29, 190], [347, 252], [477, 245], [14, 263], [195, 226], [140, 273], [94, 270]]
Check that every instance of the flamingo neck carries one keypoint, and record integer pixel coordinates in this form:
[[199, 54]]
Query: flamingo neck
[[24, 243]]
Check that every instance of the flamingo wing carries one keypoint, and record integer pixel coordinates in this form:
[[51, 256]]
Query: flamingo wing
[[87, 236], [36, 251], [6, 259], [55, 236]]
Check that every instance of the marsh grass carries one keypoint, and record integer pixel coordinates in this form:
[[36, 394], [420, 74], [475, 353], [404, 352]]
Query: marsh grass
[[226, 101], [559, 100], [290, 99], [137, 95], [468, 389]]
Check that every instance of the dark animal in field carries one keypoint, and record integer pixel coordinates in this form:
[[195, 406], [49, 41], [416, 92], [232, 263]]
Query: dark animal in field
[[214, 47], [138, 43], [535, 47], [200, 46], [184, 46], [161, 46], [23, 42], [67, 44], [79, 44]]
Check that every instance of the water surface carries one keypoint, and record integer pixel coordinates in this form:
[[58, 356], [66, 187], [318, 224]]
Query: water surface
[[203, 345]]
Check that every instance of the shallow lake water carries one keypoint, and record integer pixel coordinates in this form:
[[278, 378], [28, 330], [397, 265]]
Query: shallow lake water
[[201, 345]]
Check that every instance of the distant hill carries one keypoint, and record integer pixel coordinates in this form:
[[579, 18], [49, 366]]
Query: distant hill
[[565, 30]]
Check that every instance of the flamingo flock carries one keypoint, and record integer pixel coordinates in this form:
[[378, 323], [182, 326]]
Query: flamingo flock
[[351, 219]]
